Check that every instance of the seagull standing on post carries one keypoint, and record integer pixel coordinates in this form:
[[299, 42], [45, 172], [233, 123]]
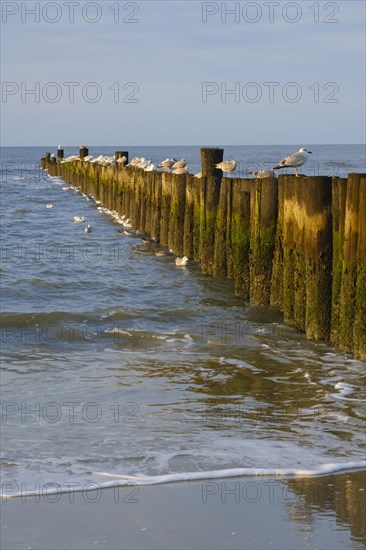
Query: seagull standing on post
[[294, 161]]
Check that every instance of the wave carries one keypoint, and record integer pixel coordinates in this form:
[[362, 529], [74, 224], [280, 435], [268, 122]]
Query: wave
[[123, 480]]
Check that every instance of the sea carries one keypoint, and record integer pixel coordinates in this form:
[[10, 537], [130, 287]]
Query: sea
[[118, 365]]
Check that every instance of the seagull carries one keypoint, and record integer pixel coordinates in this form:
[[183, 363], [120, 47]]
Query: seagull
[[181, 261], [150, 168], [294, 161], [179, 164], [87, 229], [180, 170], [226, 165], [135, 161], [121, 160], [49, 205], [264, 174], [59, 147], [79, 219], [167, 163]]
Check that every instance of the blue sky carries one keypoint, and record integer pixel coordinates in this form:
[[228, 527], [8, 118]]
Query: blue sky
[[179, 69]]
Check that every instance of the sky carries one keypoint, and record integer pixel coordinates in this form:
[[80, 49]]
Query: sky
[[182, 72]]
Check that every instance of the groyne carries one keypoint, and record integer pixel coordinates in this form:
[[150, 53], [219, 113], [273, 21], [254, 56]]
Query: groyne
[[296, 243]]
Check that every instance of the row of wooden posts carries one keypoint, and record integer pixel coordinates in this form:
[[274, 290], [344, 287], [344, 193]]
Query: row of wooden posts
[[297, 243]]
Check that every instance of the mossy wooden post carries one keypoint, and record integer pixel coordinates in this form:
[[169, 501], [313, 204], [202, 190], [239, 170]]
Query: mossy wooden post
[[188, 229], [166, 191], [317, 209], [60, 154], [221, 229], [196, 194], [209, 198], [157, 205], [120, 154], [339, 190], [177, 206], [83, 151], [359, 327], [263, 213], [141, 196], [149, 186], [347, 298], [289, 248], [276, 298], [239, 239]]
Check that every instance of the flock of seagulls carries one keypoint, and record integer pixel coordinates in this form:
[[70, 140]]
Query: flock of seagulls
[[295, 160], [123, 220]]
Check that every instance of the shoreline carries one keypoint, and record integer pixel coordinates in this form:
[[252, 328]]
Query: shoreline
[[237, 513]]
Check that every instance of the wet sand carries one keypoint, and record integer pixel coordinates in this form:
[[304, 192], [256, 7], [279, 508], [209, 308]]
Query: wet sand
[[245, 513]]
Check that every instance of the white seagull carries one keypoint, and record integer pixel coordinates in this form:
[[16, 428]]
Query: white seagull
[[226, 165], [181, 261], [294, 161], [264, 174], [167, 163], [79, 219], [179, 164], [59, 147], [180, 170]]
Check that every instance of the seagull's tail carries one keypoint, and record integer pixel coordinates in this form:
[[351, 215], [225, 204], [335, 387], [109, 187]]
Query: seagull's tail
[[278, 167]]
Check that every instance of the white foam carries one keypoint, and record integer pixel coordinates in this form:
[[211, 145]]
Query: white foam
[[123, 480]]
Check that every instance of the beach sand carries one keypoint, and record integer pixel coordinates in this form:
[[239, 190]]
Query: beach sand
[[245, 513]]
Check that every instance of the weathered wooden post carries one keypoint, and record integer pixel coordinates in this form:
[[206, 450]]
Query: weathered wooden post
[[60, 154], [307, 253], [277, 266], [156, 203], [188, 230], [263, 215], [317, 208], [239, 236], [339, 190], [120, 154], [222, 227], [48, 157], [83, 151], [209, 198], [359, 327], [177, 207], [347, 298], [166, 193]]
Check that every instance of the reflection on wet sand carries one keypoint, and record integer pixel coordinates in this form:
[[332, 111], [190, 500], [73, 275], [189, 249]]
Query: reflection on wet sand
[[342, 497]]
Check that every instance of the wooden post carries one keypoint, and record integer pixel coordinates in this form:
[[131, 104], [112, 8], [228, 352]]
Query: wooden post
[[166, 192], [359, 327], [177, 206], [209, 157], [317, 207], [221, 229], [277, 266], [263, 214], [209, 198], [191, 181], [48, 157], [120, 154], [339, 190], [60, 154], [83, 151], [239, 241], [347, 298]]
